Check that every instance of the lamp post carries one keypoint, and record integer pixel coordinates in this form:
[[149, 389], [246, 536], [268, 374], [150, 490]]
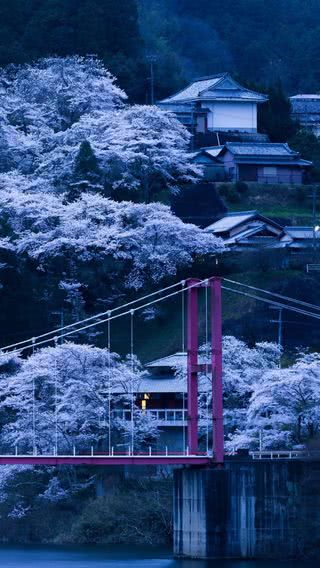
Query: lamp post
[[316, 229]]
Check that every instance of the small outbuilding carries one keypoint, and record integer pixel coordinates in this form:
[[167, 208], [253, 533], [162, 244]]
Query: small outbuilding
[[247, 230], [264, 162]]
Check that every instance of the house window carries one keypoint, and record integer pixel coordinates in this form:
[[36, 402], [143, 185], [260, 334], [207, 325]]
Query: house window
[[270, 171]]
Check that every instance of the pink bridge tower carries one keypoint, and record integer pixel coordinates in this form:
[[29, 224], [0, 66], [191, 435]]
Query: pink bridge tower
[[194, 368]]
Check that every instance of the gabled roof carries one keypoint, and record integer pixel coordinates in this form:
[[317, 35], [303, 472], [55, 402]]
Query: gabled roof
[[250, 235], [233, 220], [169, 383], [211, 152], [260, 149], [264, 153], [171, 361], [215, 87]]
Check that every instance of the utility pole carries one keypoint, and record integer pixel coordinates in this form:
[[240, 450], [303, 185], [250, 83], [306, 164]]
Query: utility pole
[[279, 321], [315, 227], [151, 58]]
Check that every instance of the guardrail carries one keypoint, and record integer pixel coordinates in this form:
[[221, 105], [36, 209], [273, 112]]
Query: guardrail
[[313, 268], [281, 455]]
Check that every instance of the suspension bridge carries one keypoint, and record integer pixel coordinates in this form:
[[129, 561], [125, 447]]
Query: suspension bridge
[[191, 454]]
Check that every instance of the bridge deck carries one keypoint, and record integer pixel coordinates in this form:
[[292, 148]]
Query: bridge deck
[[106, 460]]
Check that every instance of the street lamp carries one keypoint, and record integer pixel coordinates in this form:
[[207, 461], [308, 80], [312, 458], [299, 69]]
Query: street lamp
[[316, 229]]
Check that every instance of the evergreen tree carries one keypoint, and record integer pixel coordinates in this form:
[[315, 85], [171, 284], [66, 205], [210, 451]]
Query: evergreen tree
[[87, 175], [40, 28], [275, 116]]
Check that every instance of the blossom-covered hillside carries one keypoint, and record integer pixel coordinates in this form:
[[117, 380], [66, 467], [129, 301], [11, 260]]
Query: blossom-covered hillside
[[79, 171]]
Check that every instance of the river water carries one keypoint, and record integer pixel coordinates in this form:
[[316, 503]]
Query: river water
[[117, 557]]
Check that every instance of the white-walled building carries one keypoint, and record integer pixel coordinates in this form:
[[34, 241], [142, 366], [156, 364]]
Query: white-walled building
[[217, 103]]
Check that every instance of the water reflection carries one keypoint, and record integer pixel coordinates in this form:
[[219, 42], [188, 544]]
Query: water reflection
[[118, 557]]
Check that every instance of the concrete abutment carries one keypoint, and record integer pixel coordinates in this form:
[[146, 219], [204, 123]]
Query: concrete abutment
[[248, 509]]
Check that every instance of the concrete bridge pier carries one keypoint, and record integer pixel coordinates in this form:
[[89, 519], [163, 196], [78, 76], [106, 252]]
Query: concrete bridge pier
[[248, 509]]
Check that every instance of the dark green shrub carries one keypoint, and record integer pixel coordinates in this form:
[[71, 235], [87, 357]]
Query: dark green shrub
[[301, 194], [242, 187], [229, 192]]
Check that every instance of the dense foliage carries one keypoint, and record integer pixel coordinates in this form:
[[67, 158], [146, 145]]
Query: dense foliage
[[255, 40], [109, 29]]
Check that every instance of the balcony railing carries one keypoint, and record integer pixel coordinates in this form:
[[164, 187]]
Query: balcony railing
[[173, 417]]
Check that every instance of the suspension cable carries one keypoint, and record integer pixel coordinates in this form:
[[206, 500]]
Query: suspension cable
[[105, 320], [272, 302], [101, 314], [280, 296], [157, 300]]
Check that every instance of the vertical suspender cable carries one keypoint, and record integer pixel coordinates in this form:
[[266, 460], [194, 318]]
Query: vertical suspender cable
[[132, 381], [33, 405], [56, 395], [109, 384]]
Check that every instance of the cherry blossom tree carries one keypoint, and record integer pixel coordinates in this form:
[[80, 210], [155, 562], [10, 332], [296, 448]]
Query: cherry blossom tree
[[146, 242], [62, 397], [283, 410], [244, 368], [56, 91], [151, 149]]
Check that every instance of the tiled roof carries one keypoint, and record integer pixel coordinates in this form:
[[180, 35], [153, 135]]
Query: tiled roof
[[305, 104], [152, 384], [193, 90], [299, 97], [230, 221], [299, 232], [260, 149], [217, 87], [174, 360]]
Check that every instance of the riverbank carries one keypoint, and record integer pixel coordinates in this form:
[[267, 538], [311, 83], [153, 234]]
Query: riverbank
[[112, 510]]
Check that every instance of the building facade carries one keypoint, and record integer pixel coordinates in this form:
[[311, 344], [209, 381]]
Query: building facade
[[263, 163], [216, 103]]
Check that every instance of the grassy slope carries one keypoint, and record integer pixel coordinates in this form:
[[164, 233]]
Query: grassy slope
[[282, 201]]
